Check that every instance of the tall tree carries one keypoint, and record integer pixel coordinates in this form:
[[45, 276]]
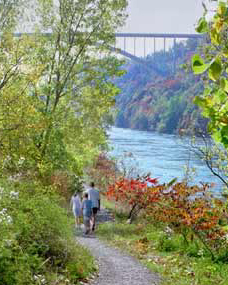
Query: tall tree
[[65, 70]]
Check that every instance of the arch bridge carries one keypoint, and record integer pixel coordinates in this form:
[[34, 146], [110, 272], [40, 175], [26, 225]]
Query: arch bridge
[[172, 37]]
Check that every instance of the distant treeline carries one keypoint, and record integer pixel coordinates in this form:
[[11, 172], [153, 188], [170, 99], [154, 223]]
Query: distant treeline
[[160, 102]]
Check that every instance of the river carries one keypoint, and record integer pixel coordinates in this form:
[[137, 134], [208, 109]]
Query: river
[[164, 156]]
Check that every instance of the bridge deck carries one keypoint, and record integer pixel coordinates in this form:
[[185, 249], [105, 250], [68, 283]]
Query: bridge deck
[[156, 35]]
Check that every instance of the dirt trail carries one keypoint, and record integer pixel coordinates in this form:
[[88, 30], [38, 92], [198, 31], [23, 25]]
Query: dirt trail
[[115, 267]]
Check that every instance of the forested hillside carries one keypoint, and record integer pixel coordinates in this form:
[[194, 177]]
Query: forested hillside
[[160, 102]]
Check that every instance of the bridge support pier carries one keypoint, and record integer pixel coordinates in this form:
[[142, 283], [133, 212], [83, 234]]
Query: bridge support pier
[[174, 55], [154, 47], [144, 47]]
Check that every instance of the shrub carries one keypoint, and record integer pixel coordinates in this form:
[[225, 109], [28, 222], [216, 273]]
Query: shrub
[[136, 193], [36, 236], [167, 243]]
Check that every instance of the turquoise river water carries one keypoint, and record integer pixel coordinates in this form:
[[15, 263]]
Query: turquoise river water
[[164, 156]]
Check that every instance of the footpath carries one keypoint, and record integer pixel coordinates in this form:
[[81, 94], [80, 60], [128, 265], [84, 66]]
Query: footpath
[[115, 267]]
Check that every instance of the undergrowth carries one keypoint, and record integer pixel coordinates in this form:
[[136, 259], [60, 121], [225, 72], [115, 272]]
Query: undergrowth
[[164, 251], [37, 245]]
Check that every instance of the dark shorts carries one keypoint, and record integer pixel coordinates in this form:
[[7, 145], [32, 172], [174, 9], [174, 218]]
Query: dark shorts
[[94, 210]]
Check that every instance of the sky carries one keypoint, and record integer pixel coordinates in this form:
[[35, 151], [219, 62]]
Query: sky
[[160, 16]]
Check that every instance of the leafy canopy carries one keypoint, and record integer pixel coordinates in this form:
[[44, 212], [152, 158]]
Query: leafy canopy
[[55, 90]]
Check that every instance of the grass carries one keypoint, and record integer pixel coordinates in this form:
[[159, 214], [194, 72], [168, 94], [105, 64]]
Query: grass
[[167, 255]]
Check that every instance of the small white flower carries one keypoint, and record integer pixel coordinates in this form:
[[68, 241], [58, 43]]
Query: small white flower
[[14, 195], [200, 252], [168, 230], [8, 158], [4, 217], [11, 179], [3, 211], [21, 160], [8, 242], [15, 177], [9, 220]]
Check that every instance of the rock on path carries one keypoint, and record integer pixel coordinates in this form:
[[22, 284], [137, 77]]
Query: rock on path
[[115, 267]]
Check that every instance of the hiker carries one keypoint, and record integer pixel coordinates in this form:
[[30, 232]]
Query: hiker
[[87, 212], [76, 205], [94, 196]]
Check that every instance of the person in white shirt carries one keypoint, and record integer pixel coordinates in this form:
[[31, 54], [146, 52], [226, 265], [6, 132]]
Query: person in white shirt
[[94, 196], [76, 205]]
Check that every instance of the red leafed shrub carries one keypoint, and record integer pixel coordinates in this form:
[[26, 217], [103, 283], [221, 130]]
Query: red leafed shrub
[[189, 210], [137, 193]]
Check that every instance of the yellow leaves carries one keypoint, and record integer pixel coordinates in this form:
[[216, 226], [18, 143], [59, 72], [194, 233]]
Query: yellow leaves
[[7, 39], [225, 54], [221, 18], [142, 245], [222, 8], [218, 25], [215, 36]]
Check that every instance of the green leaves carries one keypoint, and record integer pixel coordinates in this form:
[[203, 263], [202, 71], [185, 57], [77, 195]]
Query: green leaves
[[199, 101], [214, 67], [224, 84], [222, 8], [214, 103], [198, 65], [215, 70], [202, 26]]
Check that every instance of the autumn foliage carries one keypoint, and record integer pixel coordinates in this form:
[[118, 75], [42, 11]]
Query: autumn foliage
[[191, 211], [104, 171], [137, 193], [187, 210]]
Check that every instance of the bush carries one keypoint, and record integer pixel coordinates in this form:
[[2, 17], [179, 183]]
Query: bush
[[36, 237], [167, 243]]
